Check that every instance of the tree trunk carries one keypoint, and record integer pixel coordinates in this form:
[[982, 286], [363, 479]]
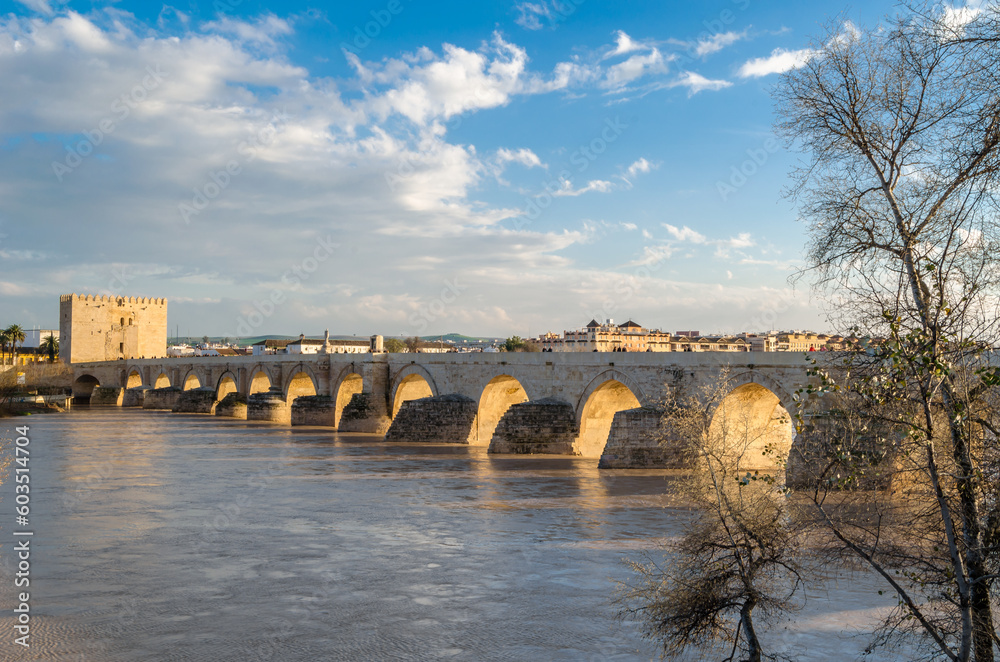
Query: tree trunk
[[968, 493], [746, 619]]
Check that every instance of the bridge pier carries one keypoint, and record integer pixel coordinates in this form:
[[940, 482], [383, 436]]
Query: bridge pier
[[636, 441], [234, 405], [196, 401], [315, 410], [162, 398], [444, 419], [537, 426], [134, 397], [366, 412], [107, 395], [269, 406]]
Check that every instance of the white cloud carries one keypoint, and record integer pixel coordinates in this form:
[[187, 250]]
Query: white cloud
[[653, 255], [261, 31], [523, 156], [637, 66], [371, 170], [425, 87], [696, 83], [685, 234], [624, 44], [742, 240], [779, 61], [40, 6], [717, 42], [640, 166], [535, 15], [596, 185], [957, 18]]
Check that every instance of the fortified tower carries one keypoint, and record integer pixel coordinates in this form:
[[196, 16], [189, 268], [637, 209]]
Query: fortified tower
[[107, 328]]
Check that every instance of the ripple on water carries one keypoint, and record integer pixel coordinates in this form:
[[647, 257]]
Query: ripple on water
[[187, 538]]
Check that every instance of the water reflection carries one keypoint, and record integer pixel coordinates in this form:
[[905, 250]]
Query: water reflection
[[172, 537]]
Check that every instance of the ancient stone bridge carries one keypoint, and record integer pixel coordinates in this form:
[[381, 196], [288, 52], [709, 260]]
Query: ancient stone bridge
[[595, 404]]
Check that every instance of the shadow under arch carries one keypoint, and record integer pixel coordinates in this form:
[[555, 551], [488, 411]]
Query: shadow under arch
[[260, 380], [411, 383], [226, 384], [191, 380], [752, 425], [348, 384], [607, 394], [133, 378], [300, 383], [84, 385], [498, 395]]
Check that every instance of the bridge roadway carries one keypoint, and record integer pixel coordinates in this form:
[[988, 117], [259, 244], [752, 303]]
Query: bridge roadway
[[594, 404]]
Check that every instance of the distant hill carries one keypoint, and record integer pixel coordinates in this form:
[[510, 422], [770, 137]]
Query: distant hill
[[457, 338]]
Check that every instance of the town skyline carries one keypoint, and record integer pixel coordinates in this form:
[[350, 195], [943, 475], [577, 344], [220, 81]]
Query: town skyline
[[502, 170]]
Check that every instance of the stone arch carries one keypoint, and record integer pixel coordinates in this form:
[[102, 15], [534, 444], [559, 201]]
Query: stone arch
[[162, 381], [755, 377], [84, 385], [300, 383], [133, 378], [411, 383], [607, 394], [496, 398], [752, 425], [226, 384], [347, 385], [191, 380], [259, 380]]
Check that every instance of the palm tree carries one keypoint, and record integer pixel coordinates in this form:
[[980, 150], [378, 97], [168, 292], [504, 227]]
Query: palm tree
[[15, 335], [50, 345], [4, 341]]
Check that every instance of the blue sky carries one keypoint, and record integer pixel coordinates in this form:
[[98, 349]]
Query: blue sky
[[405, 166]]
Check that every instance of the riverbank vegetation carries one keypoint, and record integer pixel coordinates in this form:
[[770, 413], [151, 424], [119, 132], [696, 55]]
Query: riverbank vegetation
[[896, 458]]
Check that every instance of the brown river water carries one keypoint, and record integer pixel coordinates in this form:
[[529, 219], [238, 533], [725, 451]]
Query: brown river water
[[163, 536]]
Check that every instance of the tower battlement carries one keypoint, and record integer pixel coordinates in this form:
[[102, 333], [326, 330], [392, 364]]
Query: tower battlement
[[97, 327]]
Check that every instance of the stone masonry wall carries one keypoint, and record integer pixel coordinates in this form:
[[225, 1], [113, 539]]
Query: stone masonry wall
[[314, 410], [162, 398], [362, 414], [107, 395], [103, 328], [233, 405], [197, 401], [538, 426], [444, 419], [636, 441], [134, 397]]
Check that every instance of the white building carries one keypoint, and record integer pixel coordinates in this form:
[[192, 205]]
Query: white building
[[326, 346], [34, 337]]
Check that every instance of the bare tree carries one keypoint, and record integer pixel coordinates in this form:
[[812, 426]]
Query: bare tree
[[738, 559], [901, 128]]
